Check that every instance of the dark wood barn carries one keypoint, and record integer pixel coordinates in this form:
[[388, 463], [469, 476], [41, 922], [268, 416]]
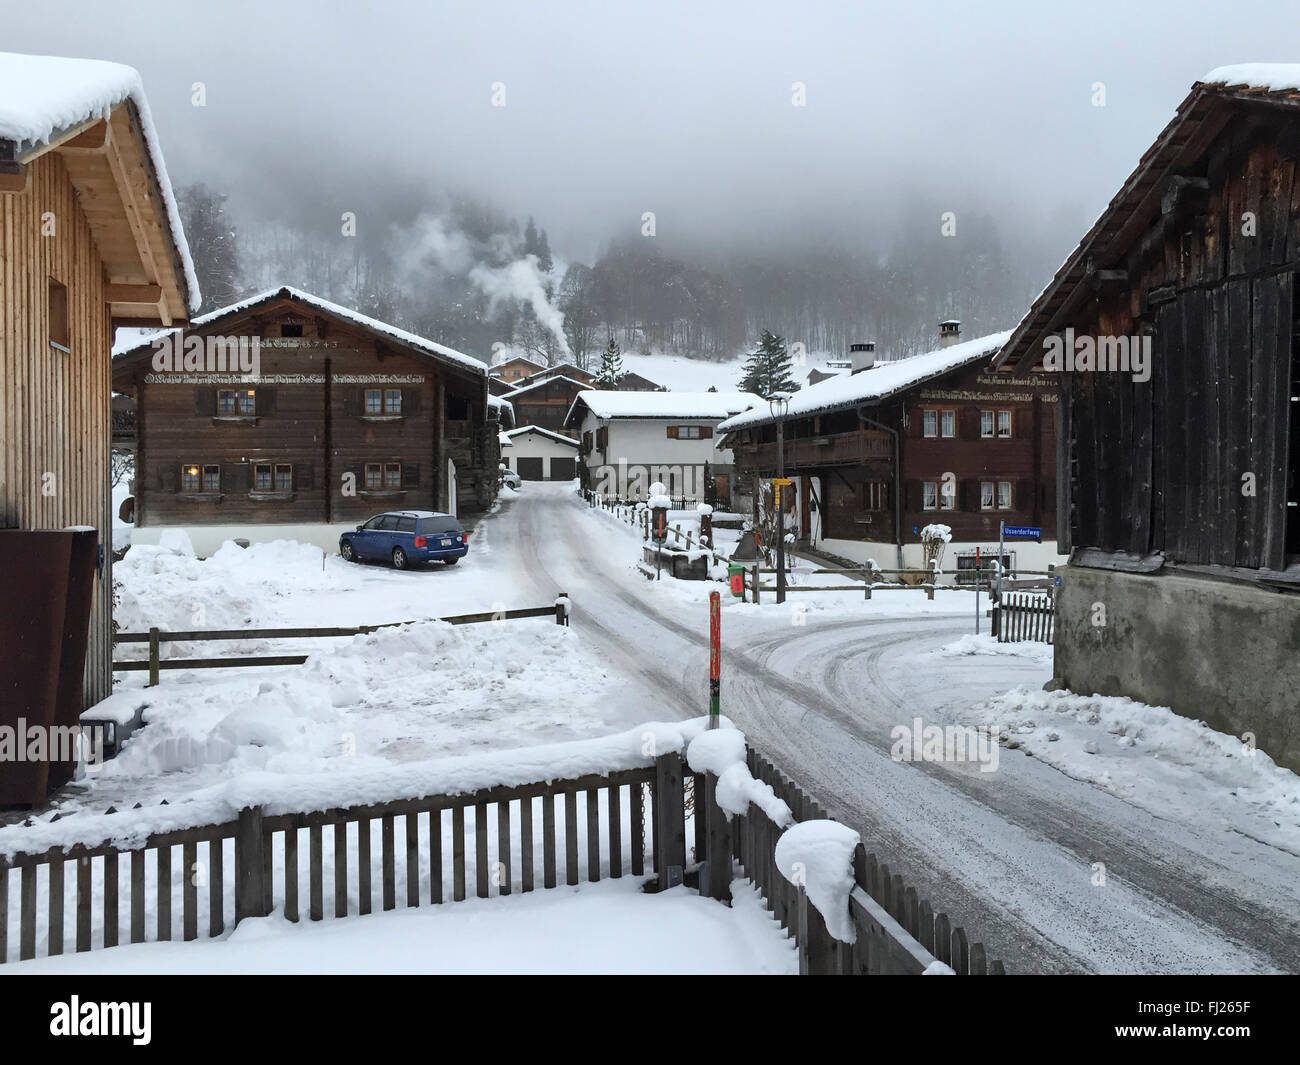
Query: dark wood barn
[[546, 402], [1178, 488], [346, 416]]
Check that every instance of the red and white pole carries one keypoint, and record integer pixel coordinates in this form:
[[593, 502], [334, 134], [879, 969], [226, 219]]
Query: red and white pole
[[715, 657]]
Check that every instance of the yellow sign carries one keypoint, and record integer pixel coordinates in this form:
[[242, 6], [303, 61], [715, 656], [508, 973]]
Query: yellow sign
[[781, 480]]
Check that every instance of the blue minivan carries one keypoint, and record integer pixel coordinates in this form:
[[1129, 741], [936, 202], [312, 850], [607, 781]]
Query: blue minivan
[[406, 536]]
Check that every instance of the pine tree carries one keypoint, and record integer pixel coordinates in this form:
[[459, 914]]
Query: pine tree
[[611, 366], [768, 369], [213, 245]]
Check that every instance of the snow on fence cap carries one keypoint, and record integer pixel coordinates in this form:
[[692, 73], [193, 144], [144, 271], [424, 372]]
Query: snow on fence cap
[[703, 508], [41, 95], [281, 793], [721, 751], [937, 532], [818, 856]]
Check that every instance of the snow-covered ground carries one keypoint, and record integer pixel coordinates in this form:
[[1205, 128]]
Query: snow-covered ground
[[1198, 841], [610, 927]]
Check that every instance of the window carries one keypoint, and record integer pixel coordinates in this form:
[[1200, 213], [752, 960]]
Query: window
[[200, 478], [262, 477], [937, 495], [690, 432], [986, 495], [995, 495], [392, 475], [875, 495], [242, 402], [1004, 495], [374, 475], [930, 423], [59, 334], [283, 478], [288, 330], [602, 437], [948, 423], [405, 524], [1002, 419], [383, 401]]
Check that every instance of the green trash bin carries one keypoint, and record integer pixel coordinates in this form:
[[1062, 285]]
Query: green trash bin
[[736, 578]]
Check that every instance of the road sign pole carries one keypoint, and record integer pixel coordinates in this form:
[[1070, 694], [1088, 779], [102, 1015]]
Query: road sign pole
[[978, 571], [715, 657], [1002, 554]]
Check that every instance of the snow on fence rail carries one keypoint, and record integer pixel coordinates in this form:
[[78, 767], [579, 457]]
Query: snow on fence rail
[[155, 637], [438, 848]]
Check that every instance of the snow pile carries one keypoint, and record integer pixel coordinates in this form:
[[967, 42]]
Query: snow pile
[[721, 752], [1152, 756], [985, 644], [42, 95], [937, 968], [937, 532], [818, 856]]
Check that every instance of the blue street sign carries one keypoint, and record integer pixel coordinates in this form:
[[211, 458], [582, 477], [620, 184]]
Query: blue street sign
[[1022, 532]]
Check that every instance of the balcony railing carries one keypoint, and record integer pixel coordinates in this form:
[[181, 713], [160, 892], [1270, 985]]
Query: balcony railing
[[863, 446]]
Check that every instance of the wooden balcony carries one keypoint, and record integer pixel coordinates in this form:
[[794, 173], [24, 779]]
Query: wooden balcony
[[840, 449]]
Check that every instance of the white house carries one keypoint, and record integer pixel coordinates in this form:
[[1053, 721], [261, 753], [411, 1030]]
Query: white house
[[632, 439], [538, 454]]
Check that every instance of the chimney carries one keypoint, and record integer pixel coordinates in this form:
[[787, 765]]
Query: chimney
[[862, 356], [949, 333]]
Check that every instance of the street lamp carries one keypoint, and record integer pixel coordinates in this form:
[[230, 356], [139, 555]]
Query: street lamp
[[779, 403]]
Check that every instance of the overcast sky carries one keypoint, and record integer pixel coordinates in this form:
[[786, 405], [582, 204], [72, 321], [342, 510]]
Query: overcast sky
[[684, 109]]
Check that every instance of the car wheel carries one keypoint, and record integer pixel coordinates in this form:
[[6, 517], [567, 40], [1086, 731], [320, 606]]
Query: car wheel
[[399, 558], [451, 561], [345, 549]]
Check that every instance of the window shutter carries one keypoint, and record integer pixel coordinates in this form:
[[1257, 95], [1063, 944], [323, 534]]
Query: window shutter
[[304, 475], [968, 423], [205, 401], [237, 477], [968, 495], [1022, 495], [410, 474], [352, 402], [265, 400], [706, 432], [411, 400], [915, 498], [672, 432], [169, 478]]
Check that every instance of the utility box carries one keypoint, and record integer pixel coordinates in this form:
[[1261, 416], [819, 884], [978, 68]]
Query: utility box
[[48, 579]]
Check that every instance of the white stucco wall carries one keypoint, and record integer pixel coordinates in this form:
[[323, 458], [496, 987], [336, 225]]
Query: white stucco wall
[[537, 445], [1027, 554], [644, 442], [207, 539]]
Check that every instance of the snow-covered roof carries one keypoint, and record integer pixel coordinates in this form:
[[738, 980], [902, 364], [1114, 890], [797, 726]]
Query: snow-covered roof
[[44, 95], [704, 405], [502, 407], [547, 381], [881, 380], [356, 317], [1272, 77], [558, 437]]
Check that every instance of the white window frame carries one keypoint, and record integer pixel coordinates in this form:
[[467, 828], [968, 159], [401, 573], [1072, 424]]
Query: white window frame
[[948, 424], [930, 424]]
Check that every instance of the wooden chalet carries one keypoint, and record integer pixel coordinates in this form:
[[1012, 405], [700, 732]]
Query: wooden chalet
[[512, 371], [1179, 490], [560, 369], [546, 402], [90, 238], [345, 416], [878, 454]]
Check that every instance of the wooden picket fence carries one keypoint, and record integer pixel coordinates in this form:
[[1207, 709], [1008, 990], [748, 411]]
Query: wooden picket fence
[[436, 849], [1020, 616]]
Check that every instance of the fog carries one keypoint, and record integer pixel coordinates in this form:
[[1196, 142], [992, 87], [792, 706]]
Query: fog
[[739, 125]]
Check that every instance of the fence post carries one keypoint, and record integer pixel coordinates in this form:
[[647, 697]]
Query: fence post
[[670, 820], [817, 952], [866, 582], [755, 583], [250, 857], [718, 850], [153, 657], [561, 608]]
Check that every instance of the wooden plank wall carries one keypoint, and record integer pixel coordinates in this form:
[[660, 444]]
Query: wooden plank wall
[[54, 406], [1158, 466]]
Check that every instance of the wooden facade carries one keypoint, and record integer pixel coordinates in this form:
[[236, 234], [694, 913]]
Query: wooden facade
[[959, 433], [344, 421], [546, 403], [85, 243], [1197, 257]]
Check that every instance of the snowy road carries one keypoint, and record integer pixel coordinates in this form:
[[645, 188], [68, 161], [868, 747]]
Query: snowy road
[[1010, 854]]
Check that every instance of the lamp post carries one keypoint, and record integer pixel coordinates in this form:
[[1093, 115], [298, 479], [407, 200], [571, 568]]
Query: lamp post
[[779, 403]]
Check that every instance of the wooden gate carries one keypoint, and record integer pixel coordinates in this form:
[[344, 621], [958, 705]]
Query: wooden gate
[[1023, 616]]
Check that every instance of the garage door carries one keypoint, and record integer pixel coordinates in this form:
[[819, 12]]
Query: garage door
[[530, 469], [563, 469]]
